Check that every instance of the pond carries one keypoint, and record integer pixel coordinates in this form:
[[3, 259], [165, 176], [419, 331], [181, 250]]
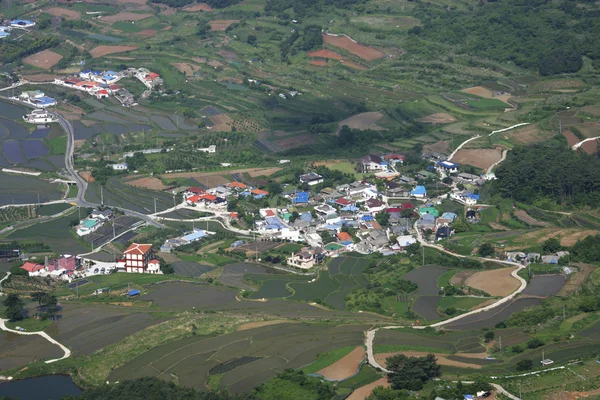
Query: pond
[[48, 387]]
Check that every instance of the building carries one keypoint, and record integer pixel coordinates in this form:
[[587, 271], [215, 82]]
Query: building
[[119, 167], [306, 258], [88, 226], [32, 268], [372, 163], [405, 241], [66, 262], [374, 205], [22, 23], [311, 179], [447, 167], [210, 149], [419, 192], [154, 267], [137, 257], [103, 215]]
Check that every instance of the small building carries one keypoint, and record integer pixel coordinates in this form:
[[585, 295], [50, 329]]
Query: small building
[[344, 237], [32, 268], [154, 267], [443, 232], [447, 167], [119, 167], [301, 198], [305, 259], [344, 202], [22, 23], [419, 192], [374, 205], [429, 210], [311, 179], [210, 149], [463, 176], [372, 163], [405, 241]]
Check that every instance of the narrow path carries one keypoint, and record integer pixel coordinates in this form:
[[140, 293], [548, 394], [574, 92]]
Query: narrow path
[[41, 333], [460, 146], [503, 391], [509, 128], [578, 145], [491, 167]]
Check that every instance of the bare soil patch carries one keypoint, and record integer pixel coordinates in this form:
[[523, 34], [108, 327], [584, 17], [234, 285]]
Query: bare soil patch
[[147, 33], [325, 54], [441, 358], [100, 51], [199, 60], [498, 227], [571, 138], [45, 59], [318, 63], [221, 122], [528, 134], [528, 219], [496, 282], [363, 121], [479, 91], [480, 158], [215, 63], [229, 55], [576, 279], [438, 119], [345, 367], [151, 183], [346, 43], [443, 146], [365, 391], [253, 325], [212, 179], [41, 77], [590, 147], [125, 16], [63, 12], [594, 110], [87, 176], [296, 141], [197, 7], [460, 277], [185, 68], [353, 65], [221, 24], [254, 172]]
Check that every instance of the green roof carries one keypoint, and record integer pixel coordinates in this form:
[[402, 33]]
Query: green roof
[[429, 210]]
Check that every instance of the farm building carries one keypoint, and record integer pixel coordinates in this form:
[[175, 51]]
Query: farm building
[[405, 240], [119, 167], [32, 268], [311, 179]]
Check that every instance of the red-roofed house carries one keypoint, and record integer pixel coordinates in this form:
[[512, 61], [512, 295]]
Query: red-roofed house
[[102, 93], [154, 267], [344, 202], [32, 267], [137, 257], [392, 210], [374, 205], [394, 158], [259, 192], [344, 237], [408, 206], [195, 190], [237, 185]]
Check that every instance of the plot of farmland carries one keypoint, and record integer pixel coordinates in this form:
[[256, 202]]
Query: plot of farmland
[[100, 51], [363, 121], [346, 367], [496, 282], [571, 138], [45, 59], [151, 183], [438, 118], [197, 7], [63, 12], [545, 285], [276, 347], [346, 43], [488, 319], [325, 54], [18, 351], [221, 24], [318, 63], [479, 158], [426, 278], [124, 16], [296, 141]]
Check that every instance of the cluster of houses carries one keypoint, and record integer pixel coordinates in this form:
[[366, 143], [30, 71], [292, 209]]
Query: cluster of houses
[[95, 220], [193, 236], [62, 267], [518, 256], [35, 98]]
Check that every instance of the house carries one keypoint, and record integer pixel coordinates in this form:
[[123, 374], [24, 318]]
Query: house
[[463, 176], [103, 215], [137, 257], [471, 214], [394, 158], [154, 267], [210, 149], [343, 202], [374, 205], [553, 258], [443, 232], [32, 268], [419, 192], [300, 198], [22, 23], [344, 237], [429, 210], [446, 167], [220, 191], [258, 193], [372, 163], [405, 241], [192, 191], [376, 239], [119, 167], [467, 198], [449, 215], [426, 222], [397, 191], [406, 180], [311, 179], [88, 226], [237, 185], [326, 212], [306, 258]]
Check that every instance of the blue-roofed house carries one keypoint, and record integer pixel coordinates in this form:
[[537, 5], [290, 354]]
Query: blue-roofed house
[[196, 234], [419, 192], [467, 198], [449, 215], [22, 23], [351, 208], [446, 166], [301, 198], [306, 217]]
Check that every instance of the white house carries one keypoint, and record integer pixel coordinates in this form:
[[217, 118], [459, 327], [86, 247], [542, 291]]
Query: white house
[[304, 260], [447, 167], [311, 179], [373, 163], [405, 240], [119, 167], [153, 267], [210, 149], [22, 23]]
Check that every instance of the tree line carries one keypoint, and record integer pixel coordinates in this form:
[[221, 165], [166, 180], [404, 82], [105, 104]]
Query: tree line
[[10, 52]]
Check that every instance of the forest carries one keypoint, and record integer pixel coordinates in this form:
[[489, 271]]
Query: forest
[[550, 36], [541, 174]]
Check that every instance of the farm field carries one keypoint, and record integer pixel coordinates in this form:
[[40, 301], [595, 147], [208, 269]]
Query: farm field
[[479, 158], [497, 282], [266, 350], [344, 42], [18, 351], [19, 189]]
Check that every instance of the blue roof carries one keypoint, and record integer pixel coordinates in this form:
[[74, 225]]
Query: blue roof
[[133, 292], [197, 234], [86, 71], [301, 197], [259, 196], [347, 242], [367, 218], [472, 196], [273, 222], [419, 190], [447, 164], [331, 227], [306, 217], [45, 100], [4, 34], [114, 73], [351, 207], [245, 193], [449, 215], [17, 21]]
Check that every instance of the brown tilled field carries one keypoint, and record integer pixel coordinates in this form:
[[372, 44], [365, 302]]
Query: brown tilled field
[[344, 42], [325, 54], [100, 51], [147, 33], [41, 77], [45, 59], [63, 12], [212, 179], [479, 91], [594, 110], [87, 176], [364, 121], [571, 138], [438, 118], [197, 7], [345, 367], [443, 146], [125, 16], [254, 172], [221, 122], [496, 282], [296, 141], [479, 158], [528, 219], [353, 65], [148, 183], [221, 24], [527, 134], [590, 147], [365, 391], [441, 358], [318, 63], [185, 68]]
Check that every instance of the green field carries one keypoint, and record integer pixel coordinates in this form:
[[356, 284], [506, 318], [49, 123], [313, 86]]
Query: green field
[[51, 209], [326, 359]]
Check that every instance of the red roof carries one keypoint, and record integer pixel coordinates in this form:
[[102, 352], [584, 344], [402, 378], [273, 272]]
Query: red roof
[[196, 190], [114, 87], [207, 196], [138, 249], [103, 91], [153, 262], [194, 199], [233, 214], [393, 210], [239, 185], [269, 213], [32, 267], [152, 76], [343, 201], [408, 206], [394, 157], [344, 236]]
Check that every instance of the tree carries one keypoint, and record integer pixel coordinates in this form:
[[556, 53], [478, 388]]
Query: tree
[[411, 373], [14, 307], [38, 296], [251, 40], [489, 336], [535, 343], [413, 249], [189, 113], [381, 393], [525, 365], [383, 218], [486, 250], [551, 245], [274, 188]]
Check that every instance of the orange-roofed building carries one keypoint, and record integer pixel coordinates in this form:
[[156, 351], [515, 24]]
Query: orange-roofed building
[[259, 192], [32, 267], [137, 257], [152, 76], [237, 185], [344, 237], [234, 215]]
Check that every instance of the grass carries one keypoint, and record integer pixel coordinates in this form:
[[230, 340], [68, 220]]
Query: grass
[[57, 145], [365, 376], [118, 281], [52, 209], [444, 279], [326, 359], [73, 191], [487, 104], [31, 324], [214, 382], [211, 258]]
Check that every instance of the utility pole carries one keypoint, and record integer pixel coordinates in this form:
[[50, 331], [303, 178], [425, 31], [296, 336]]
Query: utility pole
[[500, 344], [101, 195], [155, 205], [113, 226], [38, 199], [79, 209]]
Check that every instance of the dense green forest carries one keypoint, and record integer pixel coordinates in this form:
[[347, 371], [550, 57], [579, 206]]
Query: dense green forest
[[549, 175], [535, 34]]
